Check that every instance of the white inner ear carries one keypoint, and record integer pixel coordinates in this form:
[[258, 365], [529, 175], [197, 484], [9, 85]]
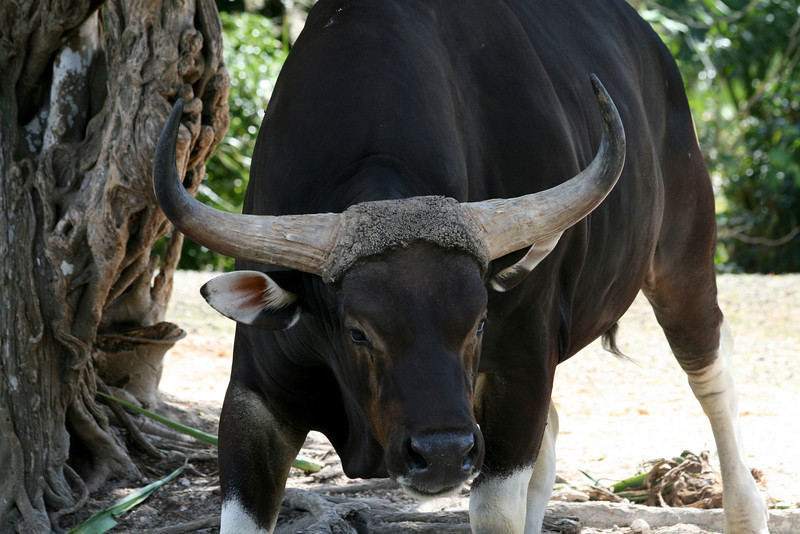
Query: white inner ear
[[243, 295], [536, 254]]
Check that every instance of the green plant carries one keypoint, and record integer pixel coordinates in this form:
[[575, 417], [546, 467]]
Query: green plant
[[105, 520], [760, 227], [739, 59]]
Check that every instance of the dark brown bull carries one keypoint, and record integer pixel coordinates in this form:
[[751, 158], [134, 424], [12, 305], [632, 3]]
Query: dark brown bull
[[382, 300]]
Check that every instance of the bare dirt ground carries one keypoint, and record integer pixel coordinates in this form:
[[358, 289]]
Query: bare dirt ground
[[614, 414]]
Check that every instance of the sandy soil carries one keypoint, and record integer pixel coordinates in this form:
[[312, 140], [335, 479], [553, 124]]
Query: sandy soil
[[614, 414]]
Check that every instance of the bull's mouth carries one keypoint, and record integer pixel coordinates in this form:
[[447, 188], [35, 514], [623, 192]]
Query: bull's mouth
[[428, 493], [423, 491]]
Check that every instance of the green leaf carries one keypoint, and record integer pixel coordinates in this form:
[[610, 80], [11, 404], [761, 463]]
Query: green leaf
[[189, 431], [632, 483], [105, 520], [306, 464], [590, 478]]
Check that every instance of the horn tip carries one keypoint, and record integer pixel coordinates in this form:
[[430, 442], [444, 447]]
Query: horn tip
[[598, 87]]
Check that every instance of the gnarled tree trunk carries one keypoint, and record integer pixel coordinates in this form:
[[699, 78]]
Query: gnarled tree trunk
[[85, 90]]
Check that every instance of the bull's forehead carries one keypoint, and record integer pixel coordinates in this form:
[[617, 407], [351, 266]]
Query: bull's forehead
[[423, 284], [371, 228]]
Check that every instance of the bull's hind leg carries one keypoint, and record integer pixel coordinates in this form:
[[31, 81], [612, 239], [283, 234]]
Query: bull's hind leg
[[714, 388], [685, 303]]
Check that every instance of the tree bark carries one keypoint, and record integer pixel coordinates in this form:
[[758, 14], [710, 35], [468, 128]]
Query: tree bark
[[86, 89]]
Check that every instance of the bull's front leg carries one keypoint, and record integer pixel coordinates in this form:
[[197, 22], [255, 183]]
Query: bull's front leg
[[511, 494], [256, 451]]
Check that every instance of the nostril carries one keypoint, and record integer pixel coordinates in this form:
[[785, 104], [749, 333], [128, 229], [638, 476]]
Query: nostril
[[469, 455], [467, 464], [415, 459]]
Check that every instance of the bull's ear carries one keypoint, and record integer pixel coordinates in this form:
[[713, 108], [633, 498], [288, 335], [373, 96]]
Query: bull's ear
[[252, 298], [513, 275]]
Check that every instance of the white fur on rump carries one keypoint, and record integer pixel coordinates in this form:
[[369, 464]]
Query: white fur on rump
[[243, 295], [745, 511]]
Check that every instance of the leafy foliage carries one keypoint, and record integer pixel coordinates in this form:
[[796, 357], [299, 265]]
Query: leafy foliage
[[740, 60], [254, 54]]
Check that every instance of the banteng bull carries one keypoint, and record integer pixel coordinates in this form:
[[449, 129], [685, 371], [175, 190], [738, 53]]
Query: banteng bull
[[382, 298]]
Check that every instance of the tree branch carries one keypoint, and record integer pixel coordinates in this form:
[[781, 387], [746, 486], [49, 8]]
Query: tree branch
[[694, 23], [736, 233]]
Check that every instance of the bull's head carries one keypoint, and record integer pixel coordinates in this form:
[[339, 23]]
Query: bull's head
[[409, 344]]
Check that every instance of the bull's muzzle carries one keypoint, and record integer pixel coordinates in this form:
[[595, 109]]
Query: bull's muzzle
[[438, 463]]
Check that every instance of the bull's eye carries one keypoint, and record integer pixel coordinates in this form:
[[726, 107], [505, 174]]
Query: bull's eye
[[357, 336], [480, 326]]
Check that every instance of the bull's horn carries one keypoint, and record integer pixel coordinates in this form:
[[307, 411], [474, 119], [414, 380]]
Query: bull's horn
[[515, 223], [301, 242]]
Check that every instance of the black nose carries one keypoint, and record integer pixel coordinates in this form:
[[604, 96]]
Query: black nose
[[441, 460], [444, 449]]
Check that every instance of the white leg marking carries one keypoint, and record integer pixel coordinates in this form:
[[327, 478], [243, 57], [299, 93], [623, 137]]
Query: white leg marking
[[745, 512], [517, 503], [497, 506], [236, 520], [544, 475]]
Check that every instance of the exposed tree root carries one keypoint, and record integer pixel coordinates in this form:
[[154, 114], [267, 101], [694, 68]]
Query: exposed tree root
[[15, 504], [103, 455], [189, 526], [314, 513], [135, 436], [323, 514]]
